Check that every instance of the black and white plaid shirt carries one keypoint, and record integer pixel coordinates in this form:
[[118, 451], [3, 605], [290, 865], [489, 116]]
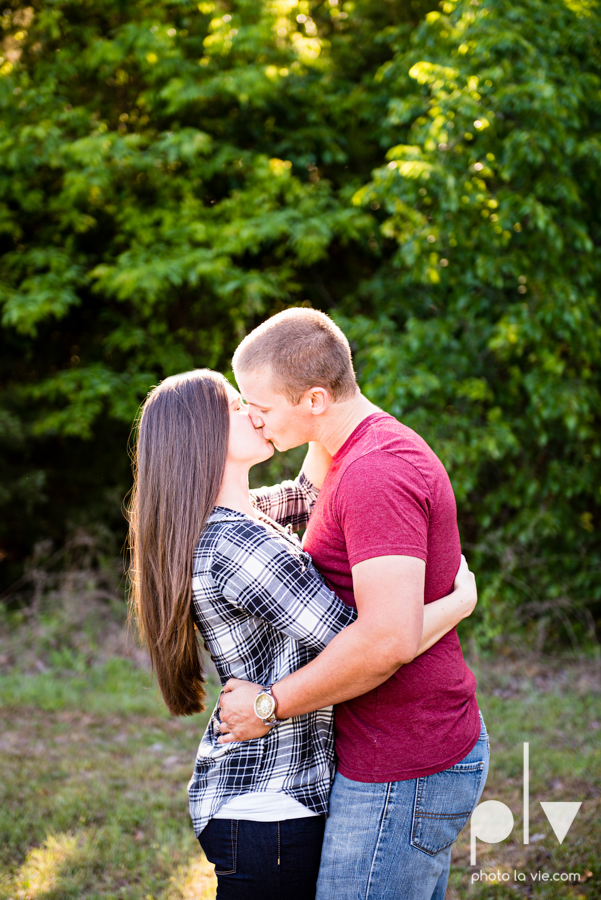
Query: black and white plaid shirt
[[264, 611]]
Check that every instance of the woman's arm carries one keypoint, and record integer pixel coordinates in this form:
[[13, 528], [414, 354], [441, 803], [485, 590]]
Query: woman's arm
[[442, 615], [291, 502], [316, 464]]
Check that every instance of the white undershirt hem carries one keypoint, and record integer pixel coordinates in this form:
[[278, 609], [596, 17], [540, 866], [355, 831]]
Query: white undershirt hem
[[264, 806]]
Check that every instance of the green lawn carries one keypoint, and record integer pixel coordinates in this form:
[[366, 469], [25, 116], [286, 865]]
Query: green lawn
[[556, 707], [93, 789]]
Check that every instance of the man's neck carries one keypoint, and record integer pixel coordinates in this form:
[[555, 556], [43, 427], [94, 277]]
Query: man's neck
[[343, 417]]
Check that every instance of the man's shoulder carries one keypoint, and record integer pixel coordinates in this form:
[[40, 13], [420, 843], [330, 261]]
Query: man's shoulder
[[390, 434], [384, 437]]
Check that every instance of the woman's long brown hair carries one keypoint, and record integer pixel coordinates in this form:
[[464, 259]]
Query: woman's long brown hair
[[179, 461]]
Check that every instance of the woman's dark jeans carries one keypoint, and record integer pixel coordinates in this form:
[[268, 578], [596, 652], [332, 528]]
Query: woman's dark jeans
[[264, 860]]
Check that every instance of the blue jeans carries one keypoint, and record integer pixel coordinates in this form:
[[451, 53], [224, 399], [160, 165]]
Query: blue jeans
[[393, 841], [264, 860]]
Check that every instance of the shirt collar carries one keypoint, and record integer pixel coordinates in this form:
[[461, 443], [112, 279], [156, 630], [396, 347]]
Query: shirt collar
[[223, 514]]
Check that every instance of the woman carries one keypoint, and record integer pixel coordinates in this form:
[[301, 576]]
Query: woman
[[206, 553]]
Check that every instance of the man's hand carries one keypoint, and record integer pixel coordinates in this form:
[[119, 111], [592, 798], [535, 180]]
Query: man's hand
[[239, 721]]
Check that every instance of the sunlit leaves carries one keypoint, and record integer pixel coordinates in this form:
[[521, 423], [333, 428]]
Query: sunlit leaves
[[496, 221], [136, 206]]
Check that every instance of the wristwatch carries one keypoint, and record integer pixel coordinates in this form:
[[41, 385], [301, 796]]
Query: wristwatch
[[265, 707]]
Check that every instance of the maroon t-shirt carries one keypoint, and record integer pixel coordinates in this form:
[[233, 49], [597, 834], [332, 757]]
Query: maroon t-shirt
[[388, 494]]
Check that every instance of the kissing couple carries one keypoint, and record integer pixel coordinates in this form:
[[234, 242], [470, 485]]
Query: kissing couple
[[346, 751]]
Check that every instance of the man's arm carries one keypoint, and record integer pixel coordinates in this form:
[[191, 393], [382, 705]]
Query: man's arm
[[389, 595], [439, 618]]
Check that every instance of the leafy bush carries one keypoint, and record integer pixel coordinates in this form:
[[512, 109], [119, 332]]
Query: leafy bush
[[172, 173]]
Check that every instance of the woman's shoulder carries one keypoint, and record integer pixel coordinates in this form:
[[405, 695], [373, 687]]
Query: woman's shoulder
[[225, 525], [230, 534]]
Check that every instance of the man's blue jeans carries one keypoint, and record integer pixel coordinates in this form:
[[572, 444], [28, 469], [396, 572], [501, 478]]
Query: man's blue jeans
[[393, 841]]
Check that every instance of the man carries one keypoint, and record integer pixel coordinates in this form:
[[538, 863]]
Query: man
[[412, 750]]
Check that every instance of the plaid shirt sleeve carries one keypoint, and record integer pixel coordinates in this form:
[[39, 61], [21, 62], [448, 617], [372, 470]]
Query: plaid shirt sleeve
[[271, 577], [288, 503]]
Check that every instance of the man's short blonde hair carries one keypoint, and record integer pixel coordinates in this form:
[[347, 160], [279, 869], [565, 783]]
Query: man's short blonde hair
[[304, 349]]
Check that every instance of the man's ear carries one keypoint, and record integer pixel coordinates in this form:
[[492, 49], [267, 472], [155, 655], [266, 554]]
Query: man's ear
[[319, 400]]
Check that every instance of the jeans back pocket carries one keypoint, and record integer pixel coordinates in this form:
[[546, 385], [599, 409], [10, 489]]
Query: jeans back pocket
[[219, 840], [443, 804]]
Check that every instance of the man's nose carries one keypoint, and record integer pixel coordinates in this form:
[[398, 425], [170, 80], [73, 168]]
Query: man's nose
[[256, 420]]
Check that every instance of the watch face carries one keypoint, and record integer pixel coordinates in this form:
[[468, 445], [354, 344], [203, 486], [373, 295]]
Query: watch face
[[264, 705]]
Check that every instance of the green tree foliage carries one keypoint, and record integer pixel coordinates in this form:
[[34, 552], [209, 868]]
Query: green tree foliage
[[490, 200], [173, 172]]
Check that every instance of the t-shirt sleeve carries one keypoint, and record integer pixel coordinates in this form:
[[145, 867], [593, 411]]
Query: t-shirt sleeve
[[383, 506]]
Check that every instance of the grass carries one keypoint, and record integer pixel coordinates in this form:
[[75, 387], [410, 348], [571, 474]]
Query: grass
[[93, 799], [555, 706], [93, 771]]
